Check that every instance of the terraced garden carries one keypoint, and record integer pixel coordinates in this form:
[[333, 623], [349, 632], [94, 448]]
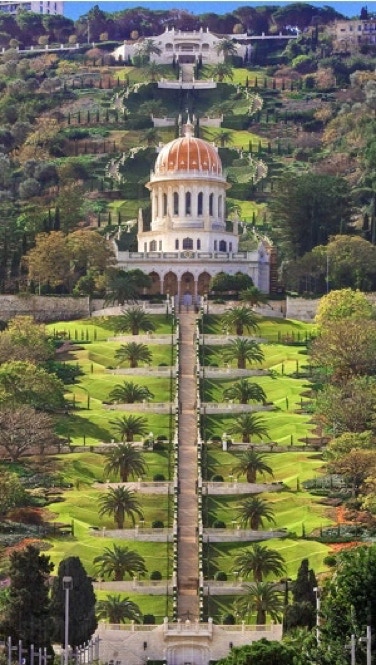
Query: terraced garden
[[297, 512]]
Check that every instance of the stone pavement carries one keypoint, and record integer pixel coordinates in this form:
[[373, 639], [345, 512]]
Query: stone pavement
[[188, 604]]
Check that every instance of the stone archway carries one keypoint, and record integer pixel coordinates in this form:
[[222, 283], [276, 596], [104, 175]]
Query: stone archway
[[203, 283], [155, 283], [187, 284], [170, 284]]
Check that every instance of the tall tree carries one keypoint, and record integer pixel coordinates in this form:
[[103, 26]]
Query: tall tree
[[26, 615], [134, 320], [129, 392], [226, 47], [125, 285], [254, 511], [245, 391], [250, 463], [24, 431], [25, 340], [124, 459], [263, 598], [239, 319], [343, 304], [120, 502], [133, 353], [118, 610], [243, 351], [259, 561], [24, 383], [248, 425], [308, 209], [82, 620], [119, 562]]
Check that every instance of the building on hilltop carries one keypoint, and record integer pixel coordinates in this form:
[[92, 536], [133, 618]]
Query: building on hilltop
[[351, 35], [189, 240], [185, 47], [36, 6]]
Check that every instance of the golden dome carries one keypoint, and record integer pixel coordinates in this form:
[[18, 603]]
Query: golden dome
[[188, 154]]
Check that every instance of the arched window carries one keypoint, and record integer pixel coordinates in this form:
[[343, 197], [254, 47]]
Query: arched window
[[145, 247], [187, 243], [215, 245], [176, 203], [160, 245], [164, 205], [222, 246], [176, 243], [198, 243], [188, 203], [200, 203], [156, 205], [153, 246], [211, 204], [230, 247], [220, 206]]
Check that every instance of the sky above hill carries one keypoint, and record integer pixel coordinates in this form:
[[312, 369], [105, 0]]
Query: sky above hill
[[74, 10]]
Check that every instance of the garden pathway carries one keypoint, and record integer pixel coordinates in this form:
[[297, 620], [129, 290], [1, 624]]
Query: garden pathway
[[188, 604]]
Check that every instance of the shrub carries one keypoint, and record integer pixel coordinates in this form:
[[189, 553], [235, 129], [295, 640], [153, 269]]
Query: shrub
[[229, 620], [148, 619], [158, 476], [330, 560], [26, 516], [220, 576], [217, 479], [157, 524], [218, 524], [156, 575]]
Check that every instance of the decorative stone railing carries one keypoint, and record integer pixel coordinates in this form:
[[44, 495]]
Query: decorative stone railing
[[230, 407]]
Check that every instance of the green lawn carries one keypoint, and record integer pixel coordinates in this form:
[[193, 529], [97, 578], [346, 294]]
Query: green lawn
[[287, 467], [221, 555], [159, 606], [294, 511]]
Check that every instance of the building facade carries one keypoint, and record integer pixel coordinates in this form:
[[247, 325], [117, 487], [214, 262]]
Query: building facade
[[185, 47], [351, 34], [189, 240], [36, 6]]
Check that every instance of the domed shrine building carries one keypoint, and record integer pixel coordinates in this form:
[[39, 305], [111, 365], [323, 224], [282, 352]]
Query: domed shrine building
[[190, 240]]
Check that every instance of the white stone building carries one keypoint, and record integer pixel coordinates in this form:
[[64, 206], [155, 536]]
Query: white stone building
[[184, 46], [189, 240], [36, 6]]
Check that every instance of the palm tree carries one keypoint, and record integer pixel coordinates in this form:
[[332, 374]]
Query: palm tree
[[148, 48], [263, 598], [222, 70], [239, 319], [225, 137], [253, 296], [124, 285], [248, 425], [226, 46], [253, 511], [243, 351], [250, 464], [119, 562], [129, 393], [134, 354], [124, 459], [152, 136], [245, 391], [119, 502], [118, 610], [152, 71], [259, 560], [134, 319]]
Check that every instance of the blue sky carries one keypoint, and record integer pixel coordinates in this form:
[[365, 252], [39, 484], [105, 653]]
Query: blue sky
[[74, 9]]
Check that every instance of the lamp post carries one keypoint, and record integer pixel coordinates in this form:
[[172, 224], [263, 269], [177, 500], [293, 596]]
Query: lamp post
[[367, 640], [67, 586], [317, 592]]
